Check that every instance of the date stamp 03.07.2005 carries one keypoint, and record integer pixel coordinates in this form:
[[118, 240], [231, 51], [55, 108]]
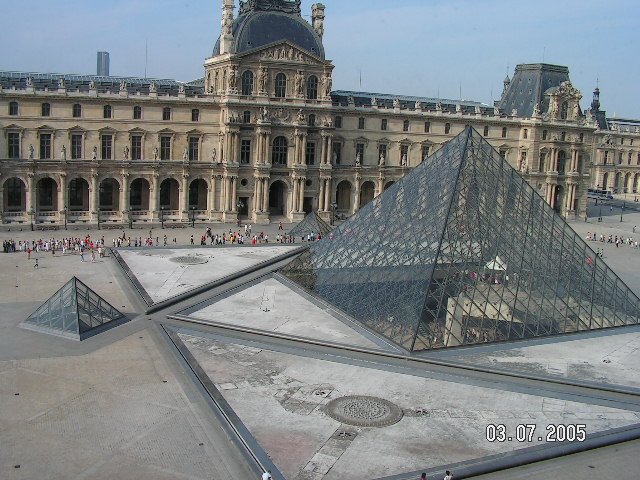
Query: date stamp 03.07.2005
[[528, 433]]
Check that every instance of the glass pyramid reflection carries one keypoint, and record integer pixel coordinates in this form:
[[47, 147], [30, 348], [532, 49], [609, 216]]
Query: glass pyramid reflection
[[312, 224], [463, 251], [74, 311]]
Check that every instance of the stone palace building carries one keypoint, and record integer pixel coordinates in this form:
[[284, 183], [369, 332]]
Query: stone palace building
[[263, 136]]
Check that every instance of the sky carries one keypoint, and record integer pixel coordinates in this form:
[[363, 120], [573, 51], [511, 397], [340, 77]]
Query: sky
[[434, 48]]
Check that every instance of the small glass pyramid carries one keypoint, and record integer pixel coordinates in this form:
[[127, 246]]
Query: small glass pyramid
[[74, 311], [463, 251], [312, 224]]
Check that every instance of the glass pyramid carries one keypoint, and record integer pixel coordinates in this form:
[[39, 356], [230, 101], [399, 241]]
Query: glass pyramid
[[312, 224], [74, 311], [463, 251]]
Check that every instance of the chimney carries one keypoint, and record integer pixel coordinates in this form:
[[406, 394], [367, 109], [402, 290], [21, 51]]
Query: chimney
[[226, 36], [317, 18], [103, 64]]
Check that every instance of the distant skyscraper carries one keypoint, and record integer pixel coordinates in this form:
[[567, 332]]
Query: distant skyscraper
[[103, 64]]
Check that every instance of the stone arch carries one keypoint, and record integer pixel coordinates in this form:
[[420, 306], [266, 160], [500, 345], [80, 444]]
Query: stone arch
[[617, 182], [605, 181], [278, 191], [46, 194], [139, 194], [14, 195], [109, 195], [636, 178], [367, 192], [198, 194], [343, 196], [169, 195], [78, 194], [562, 162], [559, 199]]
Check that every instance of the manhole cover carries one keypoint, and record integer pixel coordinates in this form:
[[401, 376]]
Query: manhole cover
[[363, 411], [189, 260]]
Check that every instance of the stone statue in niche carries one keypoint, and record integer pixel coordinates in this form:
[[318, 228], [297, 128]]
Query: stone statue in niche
[[382, 160], [514, 112], [403, 160], [31, 152], [374, 102], [181, 89], [418, 106], [185, 154], [358, 159], [334, 158], [233, 78], [94, 153], [396, 103], [300, 116], [299, 82], [262, 79], [576, 111], [155, 153], [153, 88], [126, 152], [214, 156], [328, 85], [439, 107]]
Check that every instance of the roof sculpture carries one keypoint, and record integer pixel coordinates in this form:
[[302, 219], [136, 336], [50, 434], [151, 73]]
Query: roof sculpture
[[74, 311], [419, 264]]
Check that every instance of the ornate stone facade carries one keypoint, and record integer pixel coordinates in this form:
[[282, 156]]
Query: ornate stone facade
[[262, 136]]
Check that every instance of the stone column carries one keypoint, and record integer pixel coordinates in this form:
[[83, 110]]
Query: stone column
[[62, 192], [223, 199], [321, 207], [257, 195], [30, 200], [328, 159], [265, 195], [94, 199], [294, 196], [327, 195], [234, 194], [184, 198], [153, 197], [301, 199], [124, 193], [303, 152], [356, 203], [212, 194]]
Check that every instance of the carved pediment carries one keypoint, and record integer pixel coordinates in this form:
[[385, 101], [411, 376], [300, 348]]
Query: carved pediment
[[77, 128], [137, 130], [13, 126], [283, 52]]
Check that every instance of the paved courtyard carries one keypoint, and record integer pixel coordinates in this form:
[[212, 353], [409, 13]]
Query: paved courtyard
[[124, 404]]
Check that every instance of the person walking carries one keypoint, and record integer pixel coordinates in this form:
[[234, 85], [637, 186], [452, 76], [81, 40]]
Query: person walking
[[81, 255], [448, 475], [35, 265], [267, 475]]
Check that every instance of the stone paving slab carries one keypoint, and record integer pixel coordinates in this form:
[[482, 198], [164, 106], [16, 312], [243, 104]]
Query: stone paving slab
[[445, 422], [268, 306], [162, 278]]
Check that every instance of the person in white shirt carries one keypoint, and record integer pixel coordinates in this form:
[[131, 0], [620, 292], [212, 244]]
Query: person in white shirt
[[448, 475], [267, 475]]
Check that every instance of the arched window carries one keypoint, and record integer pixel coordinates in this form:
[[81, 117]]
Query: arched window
[[279, 152], [562, 158], [77, 110], [564, 110], [312, 87], [281, 85], [46, 109], [247, 83], [13, 108], [137, 112], [106, 111], [525, 133]]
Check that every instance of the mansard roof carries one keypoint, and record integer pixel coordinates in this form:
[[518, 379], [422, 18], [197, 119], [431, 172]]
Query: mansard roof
[[528, 87], [41, 81]]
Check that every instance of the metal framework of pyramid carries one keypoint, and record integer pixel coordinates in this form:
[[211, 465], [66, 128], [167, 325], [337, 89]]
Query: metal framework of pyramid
[[74, 311], [463, 251], [312, 224]]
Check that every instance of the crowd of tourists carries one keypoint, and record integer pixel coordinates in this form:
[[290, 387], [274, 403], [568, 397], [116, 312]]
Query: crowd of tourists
[[617, 240], [67, 245]]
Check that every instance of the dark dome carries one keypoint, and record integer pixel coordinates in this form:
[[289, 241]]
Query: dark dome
[[257, 29]]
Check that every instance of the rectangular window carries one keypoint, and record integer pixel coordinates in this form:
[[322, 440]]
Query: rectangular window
[[361, 123], [606, 158], [165, 148], [245, 152], [406, 126], [503, 154], [136, 147], [338, 122], [45, 146], [13, 143], [166, 114], [383, 126], [486, 130], [194, 147], [425, 152], [427, 127], [504, 132], [137, 113], [544, 134], [107, 147], [337, 153], [13, 108], [310, 155], [382, 151], [46, 109], [360, 151], [525, 133], [195, 115], [76, 146]]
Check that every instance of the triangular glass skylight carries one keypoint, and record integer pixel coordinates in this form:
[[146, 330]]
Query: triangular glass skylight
[[312, 224]]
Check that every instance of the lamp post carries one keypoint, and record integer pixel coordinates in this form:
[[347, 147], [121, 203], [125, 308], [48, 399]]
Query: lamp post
[[334, 207], [162, 217], [31, 214], [130, 219], [624, 204], [64, 212], [98, 213], [193, 216]]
